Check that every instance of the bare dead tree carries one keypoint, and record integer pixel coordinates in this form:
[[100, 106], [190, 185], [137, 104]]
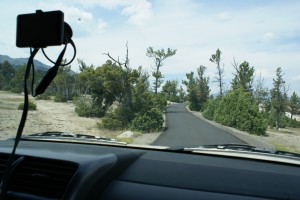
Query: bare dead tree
[[126, 98], [216, 58]]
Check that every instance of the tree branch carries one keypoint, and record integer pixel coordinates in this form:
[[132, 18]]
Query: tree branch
[[116, 61]]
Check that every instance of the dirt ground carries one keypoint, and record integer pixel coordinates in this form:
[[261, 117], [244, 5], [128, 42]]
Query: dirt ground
[[284, 139], [49, 116], [53, 116]]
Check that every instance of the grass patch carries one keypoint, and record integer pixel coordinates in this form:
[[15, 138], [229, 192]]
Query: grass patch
[[295, 130], [14, 99], [109, 133], [7, 106], [137, 134], [128, 140], [3, 107], [281, 147]]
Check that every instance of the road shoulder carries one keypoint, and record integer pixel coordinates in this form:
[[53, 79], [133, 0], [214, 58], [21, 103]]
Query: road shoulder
[[252, 140]]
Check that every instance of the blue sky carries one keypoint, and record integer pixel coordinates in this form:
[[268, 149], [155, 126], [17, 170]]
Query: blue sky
[[263, 32]]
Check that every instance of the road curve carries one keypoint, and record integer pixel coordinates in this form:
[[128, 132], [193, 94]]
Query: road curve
[[187, 130]]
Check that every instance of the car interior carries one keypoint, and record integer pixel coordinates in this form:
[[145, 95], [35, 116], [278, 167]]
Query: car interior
[[39, 168]]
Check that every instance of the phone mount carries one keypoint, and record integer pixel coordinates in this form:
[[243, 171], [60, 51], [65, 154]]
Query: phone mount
[[42, 29]]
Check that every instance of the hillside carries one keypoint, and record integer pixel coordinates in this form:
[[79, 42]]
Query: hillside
[[21, 61], [16, 62]]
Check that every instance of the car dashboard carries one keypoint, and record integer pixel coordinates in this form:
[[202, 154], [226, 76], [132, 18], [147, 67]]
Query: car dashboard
[[64, 170]]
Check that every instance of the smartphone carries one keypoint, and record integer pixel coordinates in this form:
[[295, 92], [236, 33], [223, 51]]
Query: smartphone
[[40, 29]]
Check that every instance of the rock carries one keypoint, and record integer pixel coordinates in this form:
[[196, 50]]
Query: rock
[[126, 134]]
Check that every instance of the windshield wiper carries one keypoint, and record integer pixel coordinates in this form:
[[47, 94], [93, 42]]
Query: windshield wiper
[[241, 147], [72, 136]]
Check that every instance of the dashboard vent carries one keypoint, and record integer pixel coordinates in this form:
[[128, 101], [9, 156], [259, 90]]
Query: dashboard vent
[[40, 176]]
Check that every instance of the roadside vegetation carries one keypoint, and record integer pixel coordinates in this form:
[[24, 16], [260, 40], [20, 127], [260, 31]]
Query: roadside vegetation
[[123, 97], [246, 106], [115, 92]]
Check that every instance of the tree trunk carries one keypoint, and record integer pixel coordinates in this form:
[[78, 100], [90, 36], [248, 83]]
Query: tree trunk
[[221, 93], [157, 77], [277, 120], [220, 79], [156, 83], [128, 97]]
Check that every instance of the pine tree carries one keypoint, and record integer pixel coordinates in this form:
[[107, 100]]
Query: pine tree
[[278, 96], [216, 58], [294, 104]]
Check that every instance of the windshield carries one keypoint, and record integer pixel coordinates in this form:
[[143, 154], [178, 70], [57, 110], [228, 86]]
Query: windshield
[[178, 73]]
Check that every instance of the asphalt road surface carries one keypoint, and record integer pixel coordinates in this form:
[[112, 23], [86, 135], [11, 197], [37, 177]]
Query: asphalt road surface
[[186, 130]]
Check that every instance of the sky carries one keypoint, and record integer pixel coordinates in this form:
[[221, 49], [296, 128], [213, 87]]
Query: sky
[[264, 33]]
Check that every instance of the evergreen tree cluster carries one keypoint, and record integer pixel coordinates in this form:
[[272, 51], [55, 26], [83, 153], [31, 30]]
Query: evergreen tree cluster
[[245, 106]]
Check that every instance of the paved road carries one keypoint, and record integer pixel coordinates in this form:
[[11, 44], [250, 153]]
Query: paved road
[[187, 130]]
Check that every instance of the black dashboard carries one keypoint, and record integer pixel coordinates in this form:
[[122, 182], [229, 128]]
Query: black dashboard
[[62, 170]]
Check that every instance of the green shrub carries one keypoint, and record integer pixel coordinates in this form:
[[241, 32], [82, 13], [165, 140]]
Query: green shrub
[[31, 106], [150, 121], [282, 120], [142, 103], [7, 88], [119, 119], [60, 98], [293, 123], [88, 111], [86, 108], [226, 111], [259, 126], [124, 115], [174, 99], [110, 123], [248, 117], [159, 101], [43, 96], [210, 108], [16, 90], [238, 109], [74, 96]]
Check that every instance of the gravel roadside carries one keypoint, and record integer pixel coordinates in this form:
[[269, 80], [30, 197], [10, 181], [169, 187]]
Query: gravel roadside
[[249, 139], [284, 139]]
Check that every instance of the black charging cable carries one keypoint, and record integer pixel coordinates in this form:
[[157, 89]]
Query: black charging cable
[[9, 167], [43, 85]]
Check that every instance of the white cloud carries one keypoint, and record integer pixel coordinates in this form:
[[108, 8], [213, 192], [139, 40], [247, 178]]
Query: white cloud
[[101, 25], [269, 36], [107, 4], [224, 16], [296, 78], [263, 72], [76, 14], [138, 12]]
